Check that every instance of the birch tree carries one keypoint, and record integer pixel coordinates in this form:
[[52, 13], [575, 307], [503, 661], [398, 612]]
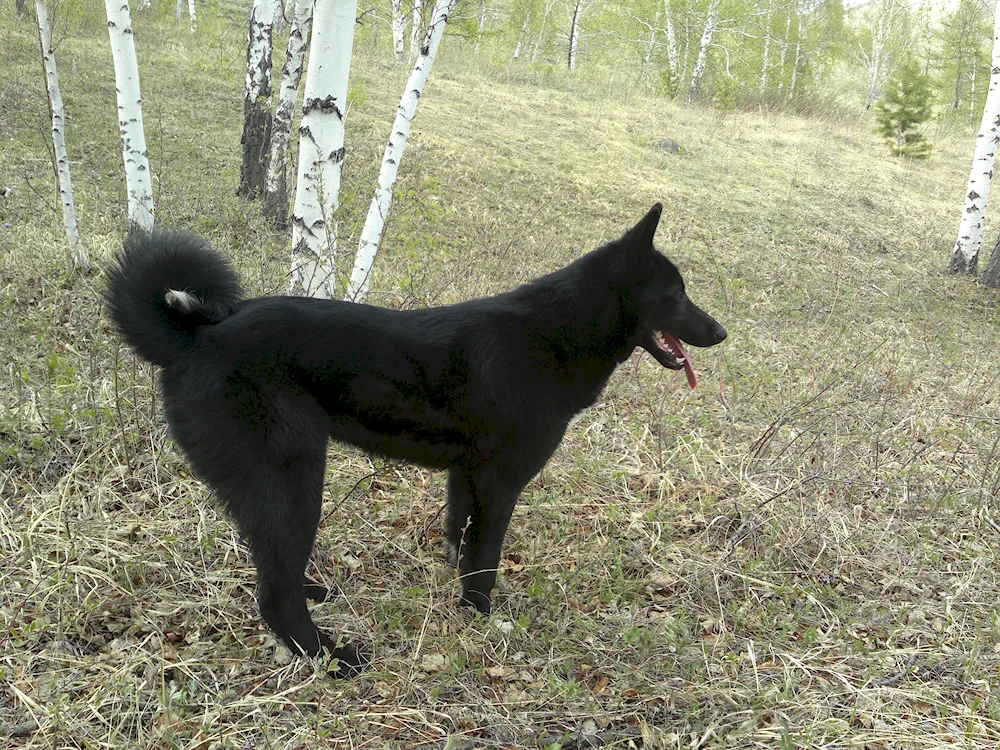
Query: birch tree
[[520, 38], [417, 32], [647, 58], [711, 24], [484, 14], [61, 158], [965, 255], [371, 235], [275, 187], [321, 149], [991, 276], [179, 10], [800, 30], [959, 41], [137, 178], [673, 54], [891, 35], [784, 52], [768, 16], [257, 118], [398, 29], [549, 5], [574, 33]]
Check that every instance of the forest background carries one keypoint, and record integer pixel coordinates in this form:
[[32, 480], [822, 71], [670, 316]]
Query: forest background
[[799, 553]]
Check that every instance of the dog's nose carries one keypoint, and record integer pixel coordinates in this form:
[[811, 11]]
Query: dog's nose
[[720, 334]]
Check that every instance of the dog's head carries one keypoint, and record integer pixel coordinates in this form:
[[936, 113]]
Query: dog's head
[[651, 291]]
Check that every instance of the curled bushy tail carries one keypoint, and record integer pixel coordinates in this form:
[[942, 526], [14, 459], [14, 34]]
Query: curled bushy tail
[[164, 286]]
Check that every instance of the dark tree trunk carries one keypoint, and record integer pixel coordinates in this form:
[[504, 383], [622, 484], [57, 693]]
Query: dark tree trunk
[[256, 142], [276, 201], [959, 264], [257, 122], [991, 276]]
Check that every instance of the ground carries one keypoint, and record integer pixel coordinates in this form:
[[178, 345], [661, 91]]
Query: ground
[[800, 553]]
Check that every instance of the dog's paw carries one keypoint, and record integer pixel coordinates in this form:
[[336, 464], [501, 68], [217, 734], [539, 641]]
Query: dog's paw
[[315, 592], [476, 599], [348, 660]]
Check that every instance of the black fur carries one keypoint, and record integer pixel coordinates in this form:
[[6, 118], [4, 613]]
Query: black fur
[[253, 389]]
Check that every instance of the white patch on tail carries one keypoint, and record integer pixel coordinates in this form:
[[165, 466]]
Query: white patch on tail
[[184, 301]]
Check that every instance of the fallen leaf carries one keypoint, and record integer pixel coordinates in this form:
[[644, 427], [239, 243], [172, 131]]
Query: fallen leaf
[[432, 663]]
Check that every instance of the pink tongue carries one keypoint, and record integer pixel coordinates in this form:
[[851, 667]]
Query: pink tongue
[[679, 349]]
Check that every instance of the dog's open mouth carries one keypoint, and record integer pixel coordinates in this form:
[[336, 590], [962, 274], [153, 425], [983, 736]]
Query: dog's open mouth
[[669, 352]]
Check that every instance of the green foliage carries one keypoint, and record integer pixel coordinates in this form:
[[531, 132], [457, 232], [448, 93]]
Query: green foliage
[[962, 57], [356, 95], [905, 106]]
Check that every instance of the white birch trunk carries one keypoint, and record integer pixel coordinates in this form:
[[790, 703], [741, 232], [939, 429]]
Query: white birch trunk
[[706, 42], [371, 235], [193, 15], [784, 54], [180, 10], [965, 255], [482, 25], [795, 70], [417, 33], [58, 113], [275, 186], [257, 118], [767, 49], [687, 47], [321, 150], [541, 31], [520, 38], [574, 34], [138, 182], [972, 83], [886, 12], [398, 29], [874, 73], [673, 56], [647, 59]]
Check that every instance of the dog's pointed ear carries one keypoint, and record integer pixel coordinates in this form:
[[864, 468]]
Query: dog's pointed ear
[[643, 232]]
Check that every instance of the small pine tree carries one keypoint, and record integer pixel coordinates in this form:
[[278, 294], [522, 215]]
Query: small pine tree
[[904, 107]]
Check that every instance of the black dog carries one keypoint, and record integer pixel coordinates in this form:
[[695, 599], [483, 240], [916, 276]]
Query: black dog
[[253, 389]]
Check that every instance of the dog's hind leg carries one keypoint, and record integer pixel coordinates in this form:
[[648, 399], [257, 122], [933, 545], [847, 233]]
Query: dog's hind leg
[[271, 482], [480, 505], [314, 591], [262, 447], [281, 528]]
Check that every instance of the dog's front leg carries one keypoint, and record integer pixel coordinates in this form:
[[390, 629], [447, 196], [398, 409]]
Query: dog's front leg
[[480, 505]]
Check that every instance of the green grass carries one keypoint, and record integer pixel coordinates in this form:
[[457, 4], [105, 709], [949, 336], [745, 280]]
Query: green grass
[[799, 553]]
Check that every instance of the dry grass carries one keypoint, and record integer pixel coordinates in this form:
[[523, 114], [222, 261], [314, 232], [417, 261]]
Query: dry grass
[[800, 553]]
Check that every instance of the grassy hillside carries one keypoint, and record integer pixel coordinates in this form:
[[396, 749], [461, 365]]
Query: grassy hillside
[[799, 553]]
